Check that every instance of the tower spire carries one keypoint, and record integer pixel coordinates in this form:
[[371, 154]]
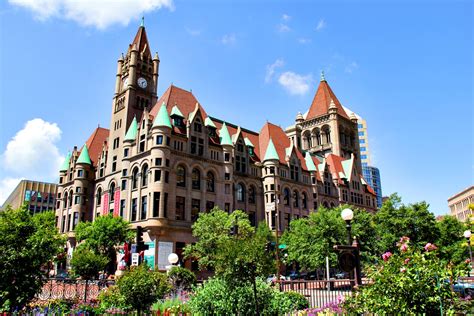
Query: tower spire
[[322, 76], [143, 22]]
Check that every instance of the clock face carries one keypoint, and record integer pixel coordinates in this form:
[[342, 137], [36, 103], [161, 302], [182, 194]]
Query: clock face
[[125, 83], [142, 82]]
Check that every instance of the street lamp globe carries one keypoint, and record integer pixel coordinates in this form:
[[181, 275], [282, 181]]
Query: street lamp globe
[[173, 258], [467, 234], [347, 214]]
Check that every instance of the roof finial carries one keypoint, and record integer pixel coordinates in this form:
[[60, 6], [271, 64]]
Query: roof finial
[[322, 76], [143, 21]]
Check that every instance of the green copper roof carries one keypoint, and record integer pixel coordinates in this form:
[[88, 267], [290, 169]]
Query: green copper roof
[[132, 130], [248, 142], [162, 118], [176, 111], [209, 122], [347, 166], [84, 156], [309, 162], [65, 165], [225, 136], [271, 153]]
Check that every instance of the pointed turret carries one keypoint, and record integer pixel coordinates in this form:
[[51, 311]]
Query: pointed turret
[[84, 157], [322, 101], [271, 153], [162, 118], [225, 136], [65, 165], [132, 130], [140, 42]]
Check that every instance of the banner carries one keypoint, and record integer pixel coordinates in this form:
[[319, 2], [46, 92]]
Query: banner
[[164, 249], [105, 203], [149, 256], [116, 203]]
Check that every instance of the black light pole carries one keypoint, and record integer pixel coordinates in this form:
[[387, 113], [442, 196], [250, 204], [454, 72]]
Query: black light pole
[[467, 235], [347, 215]]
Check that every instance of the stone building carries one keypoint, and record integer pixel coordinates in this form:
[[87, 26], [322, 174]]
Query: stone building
[[459, 204], [165, 160]]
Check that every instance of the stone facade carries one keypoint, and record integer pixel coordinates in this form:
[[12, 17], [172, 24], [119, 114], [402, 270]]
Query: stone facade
[[459, 204], [165, 160]]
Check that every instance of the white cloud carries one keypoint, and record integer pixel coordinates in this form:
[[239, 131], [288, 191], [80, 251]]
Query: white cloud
[[193, 32], [321, 25], [271, 69], [295, 83], [228, 39], [283, 28], [285, 17], [97, 13], [304, 40], [7, 186], [351, 67], [32, 153]]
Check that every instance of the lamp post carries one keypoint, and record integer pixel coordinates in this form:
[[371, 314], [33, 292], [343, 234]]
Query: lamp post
[[467, 235], [347, 215], [173, 259]]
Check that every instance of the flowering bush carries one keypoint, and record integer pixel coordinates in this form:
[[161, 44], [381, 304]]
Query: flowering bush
[[331, 308], [409, 282]]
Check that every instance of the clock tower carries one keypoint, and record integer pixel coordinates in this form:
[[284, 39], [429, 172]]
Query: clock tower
[[135, 91]]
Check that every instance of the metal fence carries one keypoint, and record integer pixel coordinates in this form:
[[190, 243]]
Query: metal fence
[[72, 289], [319, 292]]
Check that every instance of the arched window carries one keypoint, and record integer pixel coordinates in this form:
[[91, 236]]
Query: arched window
[[144, 175], [304, 200], [180, 176], [286, 196], [99, 196], [135, 178], [210, 182], [196, 179], [296, 198], [240, 192], [65, 200], [333, 205], [252, 194], [70, 198], [112, 191]]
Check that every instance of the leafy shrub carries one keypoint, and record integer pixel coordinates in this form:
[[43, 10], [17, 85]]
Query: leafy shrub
[[172, 305], [218, 297], [141, 287], [411, 282], [181, 278], [111, 298], [86, 263]]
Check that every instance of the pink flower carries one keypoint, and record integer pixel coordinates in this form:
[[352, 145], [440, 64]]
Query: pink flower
[[386, 256], [468, 261], [403, 270], [430, 247], [406, 261], [404, 248], [404, 239]]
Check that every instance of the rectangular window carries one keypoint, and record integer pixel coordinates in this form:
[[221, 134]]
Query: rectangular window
[[124, 172], [122, 208], [158, 161], [144, 207], [227, 176], [361, 133], [142, 143], [78, 189], [80, 173], [362, 141], [195, 208], [363, 149], [227, 207], [227, 157], [159, 139], [363, 156], [167, 176], [361, 126], [69, 222], [60, 180], [165, 206], [124, 184], [168, 141], [134, 209], [114, 163], [167, 162], [180, 207], [200, 147], [156, 203], [209, 205], [63, 223], [125, 152], [193, 145], [157, 175], [77, 199], [75, 220]]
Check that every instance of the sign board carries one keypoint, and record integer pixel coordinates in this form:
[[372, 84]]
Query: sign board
[[135, 260], [270, 206], [164, 249], [347, 261], [149, 256]]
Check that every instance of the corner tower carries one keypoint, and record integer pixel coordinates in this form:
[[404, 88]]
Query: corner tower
[[135, 89]]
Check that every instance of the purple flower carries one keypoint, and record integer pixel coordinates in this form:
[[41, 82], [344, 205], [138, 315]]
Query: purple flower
[[386, 256]]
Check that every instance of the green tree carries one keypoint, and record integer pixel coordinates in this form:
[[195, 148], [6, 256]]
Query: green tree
[[395, 220], [103, 235], [453, 246], [140, 287], [27, 243], [86, 263], [231, 257]]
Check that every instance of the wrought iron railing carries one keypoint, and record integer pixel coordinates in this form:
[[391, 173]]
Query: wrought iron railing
[[72, 289]]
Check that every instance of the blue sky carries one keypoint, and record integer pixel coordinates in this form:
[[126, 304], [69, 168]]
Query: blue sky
[[406, 67]]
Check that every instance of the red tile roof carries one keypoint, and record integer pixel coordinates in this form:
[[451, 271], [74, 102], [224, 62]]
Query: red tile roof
[[252, 136], [321, 101], [335, 165], [95, 142], [183, 99], [279, 138], [141, 41]]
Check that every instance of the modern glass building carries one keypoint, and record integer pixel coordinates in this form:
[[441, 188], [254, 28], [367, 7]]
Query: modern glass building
[[372, 176]]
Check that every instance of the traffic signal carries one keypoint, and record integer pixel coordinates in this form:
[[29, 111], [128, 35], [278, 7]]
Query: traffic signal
[[140, 243], [270, 246]]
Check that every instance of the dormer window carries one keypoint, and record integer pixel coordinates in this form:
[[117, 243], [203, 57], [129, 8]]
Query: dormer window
[[178, 121], [212, 131], [198, 126], [250, 151]]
